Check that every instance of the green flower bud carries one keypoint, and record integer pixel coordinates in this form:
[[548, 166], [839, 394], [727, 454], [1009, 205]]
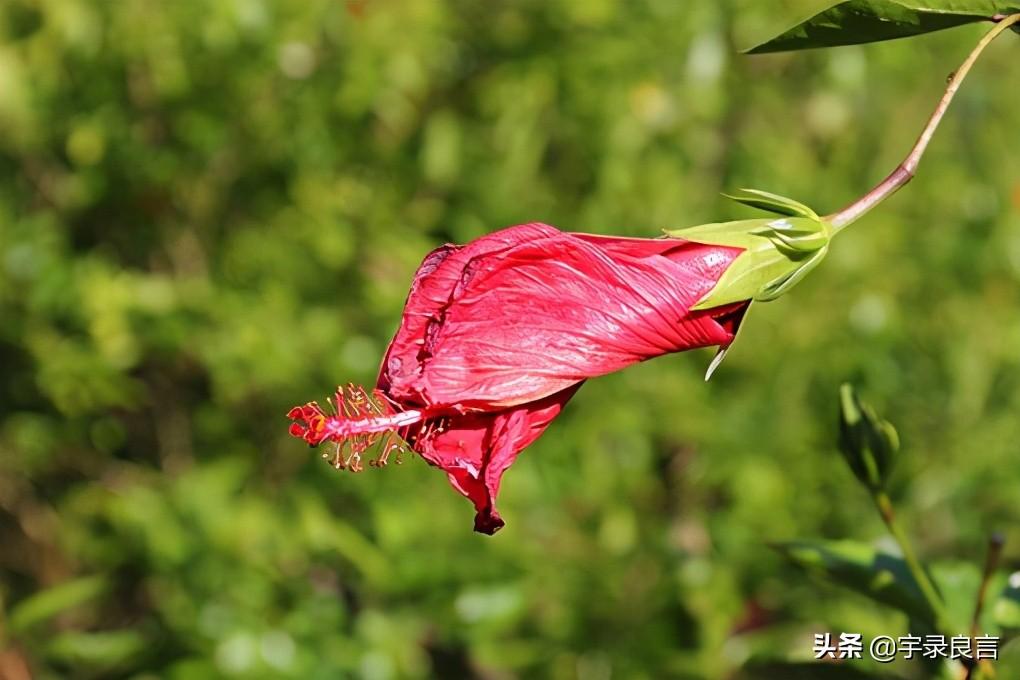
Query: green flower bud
[[868, 443], [777, 252]]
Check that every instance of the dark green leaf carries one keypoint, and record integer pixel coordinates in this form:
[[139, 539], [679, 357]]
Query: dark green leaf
[[880, 576], [862, 21]]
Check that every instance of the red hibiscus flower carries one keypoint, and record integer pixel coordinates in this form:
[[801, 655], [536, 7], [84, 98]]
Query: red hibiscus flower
[[497, 335]]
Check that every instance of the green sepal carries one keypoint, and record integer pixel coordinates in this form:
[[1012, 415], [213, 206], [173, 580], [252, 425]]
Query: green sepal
[[778, 287], [765, 200], [777, 253], [723, 351], [791, 240]]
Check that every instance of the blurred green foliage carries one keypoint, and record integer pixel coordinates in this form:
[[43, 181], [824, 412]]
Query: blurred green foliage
[[211, 211]]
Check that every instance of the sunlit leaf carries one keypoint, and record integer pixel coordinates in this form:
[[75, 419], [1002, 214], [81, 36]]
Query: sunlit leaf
[[863, 21]]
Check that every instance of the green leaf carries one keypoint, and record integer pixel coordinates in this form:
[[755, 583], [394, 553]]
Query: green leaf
[[880, 576], [45, 605], [1006, 609], [863, 21]]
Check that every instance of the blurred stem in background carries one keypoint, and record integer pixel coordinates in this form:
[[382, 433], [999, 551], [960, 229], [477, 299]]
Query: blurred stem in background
[[993, 556], [924, 582]]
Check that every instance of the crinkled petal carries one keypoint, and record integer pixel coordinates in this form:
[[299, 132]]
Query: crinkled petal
[[528, 321], [476, 449], [433, 284]]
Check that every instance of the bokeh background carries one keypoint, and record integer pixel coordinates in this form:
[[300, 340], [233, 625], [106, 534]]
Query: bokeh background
[[211, 211]]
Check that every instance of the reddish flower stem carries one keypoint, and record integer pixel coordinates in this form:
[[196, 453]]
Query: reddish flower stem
[[905, 171]]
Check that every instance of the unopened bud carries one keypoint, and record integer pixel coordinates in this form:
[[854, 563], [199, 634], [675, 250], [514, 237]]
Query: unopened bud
[[868, 443]]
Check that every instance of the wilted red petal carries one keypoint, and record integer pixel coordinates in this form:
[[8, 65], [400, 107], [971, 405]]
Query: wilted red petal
[[433, 284], [528, 321], [476, 449]]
